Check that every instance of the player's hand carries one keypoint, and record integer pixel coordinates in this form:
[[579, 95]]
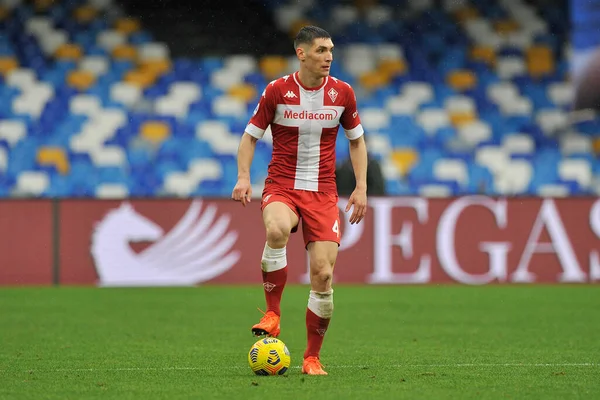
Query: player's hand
[[358, 199], [242, 191]]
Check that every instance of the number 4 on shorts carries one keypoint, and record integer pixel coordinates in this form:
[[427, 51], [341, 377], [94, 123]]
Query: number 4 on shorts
[[336, 228]]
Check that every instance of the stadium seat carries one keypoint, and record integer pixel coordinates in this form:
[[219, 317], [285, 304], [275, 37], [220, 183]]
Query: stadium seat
[[55, 157], [32, 183], [451, 170], [112, 191], [578, 170], [12, 131]]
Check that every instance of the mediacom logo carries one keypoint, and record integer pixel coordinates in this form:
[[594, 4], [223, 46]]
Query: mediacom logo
[[321, 115]]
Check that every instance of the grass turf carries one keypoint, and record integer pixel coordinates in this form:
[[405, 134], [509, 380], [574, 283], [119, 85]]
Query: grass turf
[[384, 342]]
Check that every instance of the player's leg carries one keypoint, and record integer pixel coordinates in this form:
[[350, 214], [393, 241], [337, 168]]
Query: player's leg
[[279, 220], [321, 227], [322, 255]]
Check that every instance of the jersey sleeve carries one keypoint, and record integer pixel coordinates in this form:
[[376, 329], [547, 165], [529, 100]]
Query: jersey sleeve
[[350, 120], [263, 113]]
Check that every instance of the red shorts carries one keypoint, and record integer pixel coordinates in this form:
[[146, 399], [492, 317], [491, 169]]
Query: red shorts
[[318, 211]]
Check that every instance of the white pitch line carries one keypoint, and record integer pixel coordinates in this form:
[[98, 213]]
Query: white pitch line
[[459, 365]]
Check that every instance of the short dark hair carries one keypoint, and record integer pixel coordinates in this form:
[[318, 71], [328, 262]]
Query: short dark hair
[[309, 33]]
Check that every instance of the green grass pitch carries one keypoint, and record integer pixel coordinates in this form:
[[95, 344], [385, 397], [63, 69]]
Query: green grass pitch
[[388, 342]]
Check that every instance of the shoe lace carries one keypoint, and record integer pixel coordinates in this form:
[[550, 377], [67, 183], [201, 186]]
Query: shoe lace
[[265, 317]]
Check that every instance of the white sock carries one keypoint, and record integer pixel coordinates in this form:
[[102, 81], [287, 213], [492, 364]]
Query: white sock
[[273, 259], [321, 303]]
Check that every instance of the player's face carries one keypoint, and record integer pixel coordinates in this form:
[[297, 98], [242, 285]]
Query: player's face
[[318, 58]]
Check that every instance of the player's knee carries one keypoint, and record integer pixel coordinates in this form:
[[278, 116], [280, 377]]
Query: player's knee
[[322, 270], [277, 235]]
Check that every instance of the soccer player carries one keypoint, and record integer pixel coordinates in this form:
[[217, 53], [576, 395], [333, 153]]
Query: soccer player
[[304, 110]]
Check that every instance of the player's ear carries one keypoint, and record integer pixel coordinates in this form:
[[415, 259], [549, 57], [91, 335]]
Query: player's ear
[[300, 53]]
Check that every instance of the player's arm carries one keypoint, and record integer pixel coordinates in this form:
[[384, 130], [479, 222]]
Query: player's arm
[[243, 189], [263, 115], [358, 156], [359, 159]]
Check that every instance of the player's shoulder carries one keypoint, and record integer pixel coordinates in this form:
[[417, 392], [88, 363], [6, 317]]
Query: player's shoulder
[[340, 85], [279, 84]]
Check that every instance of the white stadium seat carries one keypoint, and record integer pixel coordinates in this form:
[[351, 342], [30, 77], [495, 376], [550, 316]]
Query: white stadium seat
[[514, 178], [112, 191], [432, 119], [492, 157], [96, 65], [12, 131], [475, 132], [125, 93], [574, 169], [21, 78], [189, 92], [229, 106], [108, 156], [508, 67], [575, 143], [553, 190], [3, 159], [205, 169], [179, 184], [209, 129], [374, 119], [399, 105], [435, 190], [109, 39], [243, 64], [451, 170], [153, 51], [518, 144], [32, 183], [421, 92], [85, 104]]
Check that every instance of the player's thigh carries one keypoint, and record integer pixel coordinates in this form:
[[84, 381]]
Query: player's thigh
[[321, 219], [279, 217]]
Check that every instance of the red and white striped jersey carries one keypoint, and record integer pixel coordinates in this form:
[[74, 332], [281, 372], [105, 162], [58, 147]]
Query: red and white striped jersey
[[304, 123]]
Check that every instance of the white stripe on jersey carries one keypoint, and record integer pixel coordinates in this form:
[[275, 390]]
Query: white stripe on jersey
[[310, 117]]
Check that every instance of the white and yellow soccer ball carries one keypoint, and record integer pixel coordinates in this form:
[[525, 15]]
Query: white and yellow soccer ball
[[269, 356]]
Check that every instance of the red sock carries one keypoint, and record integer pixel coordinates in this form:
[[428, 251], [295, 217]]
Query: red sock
[[315, 332], [273, 283]]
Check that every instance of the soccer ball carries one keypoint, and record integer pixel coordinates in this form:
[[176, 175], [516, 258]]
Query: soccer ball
[[269, 356]]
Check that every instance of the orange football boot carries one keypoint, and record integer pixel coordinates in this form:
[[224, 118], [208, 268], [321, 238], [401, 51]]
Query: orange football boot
[[268, 325], [312, 366]]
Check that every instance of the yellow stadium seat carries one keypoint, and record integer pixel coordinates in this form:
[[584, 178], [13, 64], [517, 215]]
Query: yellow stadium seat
[[540, 61], [297, 25], [404, 159], [462, 79], [244, 92], [483, 53], [466, 13], [4, 13], [157, 67], [392, 68], [43, 5], [506, 26], [124, 52], [462, 117], [140, 78], [54, 156], [155, 131], [127, 25], [7, 64], [540, 68], [596, 146], [68, 52], [84, 14], [273, 67], [81, 80], [374, 80]]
